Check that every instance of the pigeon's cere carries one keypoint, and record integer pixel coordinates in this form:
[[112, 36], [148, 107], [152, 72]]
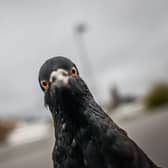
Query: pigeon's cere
[[85, 135]]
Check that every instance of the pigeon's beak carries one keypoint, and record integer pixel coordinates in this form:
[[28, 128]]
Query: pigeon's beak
[[59, 78]]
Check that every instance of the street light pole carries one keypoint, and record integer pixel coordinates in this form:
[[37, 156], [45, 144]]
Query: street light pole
[[80, 29]]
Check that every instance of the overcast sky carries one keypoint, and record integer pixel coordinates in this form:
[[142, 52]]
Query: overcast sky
[[126, 42]]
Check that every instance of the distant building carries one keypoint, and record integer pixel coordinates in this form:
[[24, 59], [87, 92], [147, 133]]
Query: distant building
[[116, 99]]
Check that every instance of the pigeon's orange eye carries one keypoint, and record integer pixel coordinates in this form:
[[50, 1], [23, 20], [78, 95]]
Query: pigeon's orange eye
[[44, 84], [74, 72]]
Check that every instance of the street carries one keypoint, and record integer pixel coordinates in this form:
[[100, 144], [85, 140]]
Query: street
[[150, 133]]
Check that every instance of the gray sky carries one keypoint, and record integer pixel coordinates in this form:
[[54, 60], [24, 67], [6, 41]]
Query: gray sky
[[127, 43]]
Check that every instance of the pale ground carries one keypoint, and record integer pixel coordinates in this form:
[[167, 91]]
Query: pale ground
[[149, 132]]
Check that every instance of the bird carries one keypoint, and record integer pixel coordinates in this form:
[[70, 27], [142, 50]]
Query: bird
[[85, 136]]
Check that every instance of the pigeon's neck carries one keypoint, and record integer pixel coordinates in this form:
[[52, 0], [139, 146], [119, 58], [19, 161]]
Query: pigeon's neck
[[74, 112]]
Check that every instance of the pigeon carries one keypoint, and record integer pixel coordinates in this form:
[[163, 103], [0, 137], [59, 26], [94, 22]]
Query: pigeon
[[85, 136]]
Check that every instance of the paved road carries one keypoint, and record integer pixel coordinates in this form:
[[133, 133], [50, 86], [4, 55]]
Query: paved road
[[151, 133], [39, 159], [36, 155]]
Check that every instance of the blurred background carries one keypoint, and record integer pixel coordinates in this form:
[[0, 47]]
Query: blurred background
[[121, 49]]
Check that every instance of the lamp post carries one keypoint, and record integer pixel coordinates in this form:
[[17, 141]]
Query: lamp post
[[80, 29]]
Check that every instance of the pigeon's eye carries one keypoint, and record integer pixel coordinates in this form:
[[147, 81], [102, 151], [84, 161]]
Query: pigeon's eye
[[73, 71], [44, 84]]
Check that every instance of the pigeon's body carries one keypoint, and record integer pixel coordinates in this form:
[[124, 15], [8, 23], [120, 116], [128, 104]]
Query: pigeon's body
[[85, 135]]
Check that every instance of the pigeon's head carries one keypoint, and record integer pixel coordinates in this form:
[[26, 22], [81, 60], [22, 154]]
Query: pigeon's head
[[59, 79]]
